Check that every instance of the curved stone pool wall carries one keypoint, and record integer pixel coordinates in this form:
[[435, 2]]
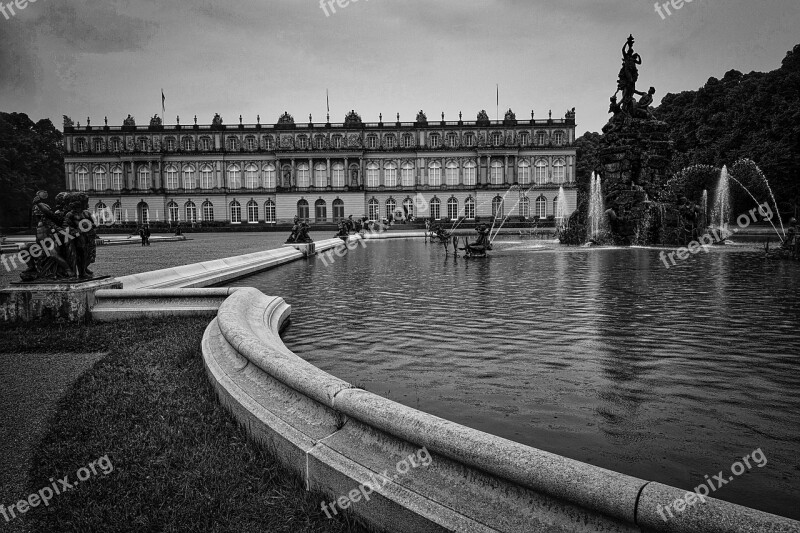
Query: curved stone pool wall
[[340, 438]]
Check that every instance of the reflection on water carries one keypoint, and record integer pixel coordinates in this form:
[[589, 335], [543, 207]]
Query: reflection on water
[[602, 355]]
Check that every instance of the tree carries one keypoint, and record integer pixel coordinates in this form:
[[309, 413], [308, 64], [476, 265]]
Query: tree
[[31, 159]]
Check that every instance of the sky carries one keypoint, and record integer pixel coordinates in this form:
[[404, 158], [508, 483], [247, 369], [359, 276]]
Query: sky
[[98, 58]]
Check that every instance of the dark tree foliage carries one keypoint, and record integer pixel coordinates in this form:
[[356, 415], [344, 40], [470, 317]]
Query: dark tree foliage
[[31, 159], [743, 116], [588, 161]]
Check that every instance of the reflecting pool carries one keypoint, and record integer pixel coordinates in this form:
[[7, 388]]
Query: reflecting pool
[[602, 355]]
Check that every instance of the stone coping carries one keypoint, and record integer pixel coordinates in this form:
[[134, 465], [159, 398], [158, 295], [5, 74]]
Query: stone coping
[[247, 332], [210, 273]]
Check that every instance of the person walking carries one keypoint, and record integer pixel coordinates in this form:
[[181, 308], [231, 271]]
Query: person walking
[[147, 235]]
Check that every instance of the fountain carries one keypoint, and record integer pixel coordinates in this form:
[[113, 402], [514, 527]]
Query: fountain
[[597, 222], [561, 208], [721, 212], [704, 207]]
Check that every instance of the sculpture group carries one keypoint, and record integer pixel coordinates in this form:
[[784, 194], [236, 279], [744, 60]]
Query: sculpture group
[[65, 244]]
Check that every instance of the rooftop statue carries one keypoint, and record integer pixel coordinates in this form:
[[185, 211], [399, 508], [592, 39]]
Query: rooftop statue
[[68, 122], [510, 115], [129, 121], [217, 120], [286, 118], [422, 118], [352, 119], [155, 121]]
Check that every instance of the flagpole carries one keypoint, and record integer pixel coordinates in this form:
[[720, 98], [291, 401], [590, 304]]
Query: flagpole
[[497, 109]]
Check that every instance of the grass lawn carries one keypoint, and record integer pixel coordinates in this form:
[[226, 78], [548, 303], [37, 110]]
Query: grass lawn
[[180, 461]]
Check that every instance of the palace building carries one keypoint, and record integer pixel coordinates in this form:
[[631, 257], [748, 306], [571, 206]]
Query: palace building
[[323, 172]]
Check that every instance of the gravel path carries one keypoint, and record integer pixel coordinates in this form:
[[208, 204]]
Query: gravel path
[[30, 387]]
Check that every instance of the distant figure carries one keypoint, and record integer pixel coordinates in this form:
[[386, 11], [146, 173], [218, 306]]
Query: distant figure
[[145, 235], [178, 230]]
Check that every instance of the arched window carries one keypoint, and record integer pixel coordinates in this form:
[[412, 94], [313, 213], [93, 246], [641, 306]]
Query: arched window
[[541, 172], [236, 212], [117, 208], [191, 212], [541, 207], [470, 173], [435, 174], [452, 208], [80, 145], [496, 172], [116, 178], [338, 178], [436, 209], [390, 142], [497, 207], [206, 178], [469, 208], [234, 177], [407, 175], [433, 140], [172, 212], [524, 173], [338, 210], [373, 175], [373, 211], [303, 178], [302, 209], [144, 178], [451, 173], [390, 174], [189, 181], [171, 178], [99, 179], [233, 144], [143, 213], [320, 211], [559, 171], [269, 212], [269, 177], [187, 144], [320, 175], [252, 212], [525, 207], [251, 177], [557, 213], [391, 207], [408, 207], [208, 211], [82, 179]]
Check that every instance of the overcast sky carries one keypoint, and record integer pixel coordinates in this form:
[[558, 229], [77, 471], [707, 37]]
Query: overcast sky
[[112, 57]]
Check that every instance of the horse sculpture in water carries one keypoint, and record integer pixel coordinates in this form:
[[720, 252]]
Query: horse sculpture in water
[[482, 245]]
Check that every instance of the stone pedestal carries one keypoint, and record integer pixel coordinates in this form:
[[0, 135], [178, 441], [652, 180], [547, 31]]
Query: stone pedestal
[[307, 248], [57, 301], [636, 155]]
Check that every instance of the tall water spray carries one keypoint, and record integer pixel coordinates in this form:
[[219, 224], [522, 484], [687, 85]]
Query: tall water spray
[[596, 223], [561, 208], [721, 212], [704, 207]]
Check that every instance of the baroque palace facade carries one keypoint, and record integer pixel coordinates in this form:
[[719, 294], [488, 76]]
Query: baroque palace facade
[[256, 174]]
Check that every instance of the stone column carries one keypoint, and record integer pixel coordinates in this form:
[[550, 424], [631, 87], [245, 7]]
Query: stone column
[[329, 170], [293, 176]]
